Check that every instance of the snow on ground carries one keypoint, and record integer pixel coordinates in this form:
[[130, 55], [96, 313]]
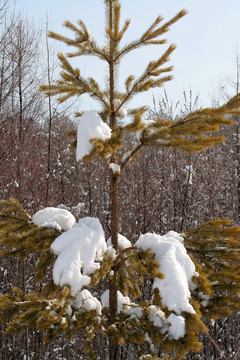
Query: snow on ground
[[56, 218], [90, 126], [79, 251]]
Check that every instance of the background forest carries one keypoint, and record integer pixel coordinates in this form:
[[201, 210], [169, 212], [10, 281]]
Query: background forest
[[38, 167]]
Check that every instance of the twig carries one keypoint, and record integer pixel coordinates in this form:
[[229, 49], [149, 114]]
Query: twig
[[217, 346]]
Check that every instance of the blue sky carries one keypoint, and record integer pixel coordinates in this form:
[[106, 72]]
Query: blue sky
[[207, 40]]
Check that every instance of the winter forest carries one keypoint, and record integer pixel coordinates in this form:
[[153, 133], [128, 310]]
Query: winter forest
[[119, 228]]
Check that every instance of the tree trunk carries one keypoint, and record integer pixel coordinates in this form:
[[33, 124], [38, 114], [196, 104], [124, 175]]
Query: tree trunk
[[114, 181], [113, 347]]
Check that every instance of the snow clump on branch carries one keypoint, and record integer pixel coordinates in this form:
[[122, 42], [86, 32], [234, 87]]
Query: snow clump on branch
[[90, 126], [79, 250], [55, 218], [123, 242], [177, 267]]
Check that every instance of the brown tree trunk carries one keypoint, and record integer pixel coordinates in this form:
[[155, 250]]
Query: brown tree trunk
[[113, 346], [114, 181]]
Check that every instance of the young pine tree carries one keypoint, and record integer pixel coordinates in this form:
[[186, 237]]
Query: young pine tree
[[185, 287]]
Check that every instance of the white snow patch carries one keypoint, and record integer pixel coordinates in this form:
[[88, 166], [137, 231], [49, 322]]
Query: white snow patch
[[77, 208], [123, 242], [122, 112], [157, 317], [177, 326], [105, 299], [79, 251], [124, 302], [115, 168], [204, 297], [189, 171], [84, 299], [56, 218], [90, 126], [135, 312], [126, 156], [177, 267], [111, 251], [63, 321], [174, 325]]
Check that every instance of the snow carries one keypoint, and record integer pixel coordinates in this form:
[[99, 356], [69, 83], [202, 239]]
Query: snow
[[189, 171], [135, 312], [84, 299], [126, 156], [177, 267], [105, 299], [177, 326], [90, 126], [79, 251], [56, 218], [122, 112], [157, 317], [63, 321], [77, 208], [123, 242], [116, 169], [174, 325], [204, 297], [124, 302]]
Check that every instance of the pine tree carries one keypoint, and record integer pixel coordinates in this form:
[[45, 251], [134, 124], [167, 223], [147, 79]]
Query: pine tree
[[147, 324]]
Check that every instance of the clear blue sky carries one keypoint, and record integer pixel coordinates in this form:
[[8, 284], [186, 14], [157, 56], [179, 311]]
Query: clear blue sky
[[206, 39]]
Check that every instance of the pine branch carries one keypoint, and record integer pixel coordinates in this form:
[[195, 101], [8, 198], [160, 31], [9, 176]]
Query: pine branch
[[84, 47], [18, 235], [146, 81], [150, 34], [73, 84]]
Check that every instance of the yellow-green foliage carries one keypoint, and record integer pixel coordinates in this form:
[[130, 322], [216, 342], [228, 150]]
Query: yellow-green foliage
[[51, 311], [190, 132], [216, 246], [138, 265], [213, 246], [18, 235], [104, 269], [130, 329]]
